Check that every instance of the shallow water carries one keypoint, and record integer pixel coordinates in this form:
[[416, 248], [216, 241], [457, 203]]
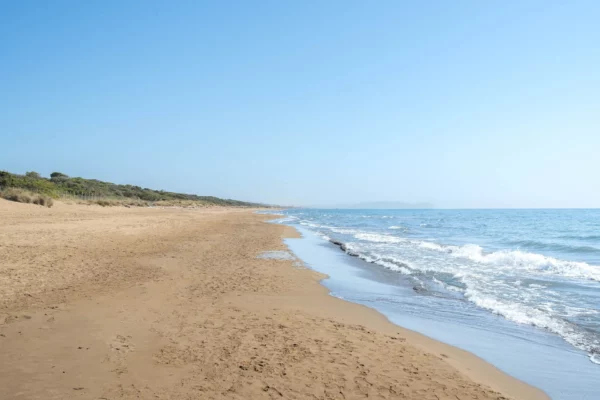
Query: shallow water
[[436, 302]]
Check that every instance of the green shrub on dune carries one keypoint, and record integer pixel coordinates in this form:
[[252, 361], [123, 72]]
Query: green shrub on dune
[[24, 196], [102, 193], [31, 181]]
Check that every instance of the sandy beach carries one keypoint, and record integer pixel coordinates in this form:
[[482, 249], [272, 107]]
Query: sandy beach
[[147, 303]]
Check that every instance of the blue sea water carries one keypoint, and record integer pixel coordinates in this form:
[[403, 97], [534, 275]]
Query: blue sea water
[[494, 282]]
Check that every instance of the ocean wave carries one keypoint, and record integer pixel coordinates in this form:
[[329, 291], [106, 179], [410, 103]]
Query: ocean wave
[[478, 287], [581, 237], [536, 286], [530, 262], [284, 220], [533, 244], [522, 314], [393, 266], [508, 260], [430, 245], [343, 231], [310, 224], [378, 238], [511, 280], [513, 260], [390, 263], [324, 236]]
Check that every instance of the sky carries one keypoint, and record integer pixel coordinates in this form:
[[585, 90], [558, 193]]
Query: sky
[[463, 104]]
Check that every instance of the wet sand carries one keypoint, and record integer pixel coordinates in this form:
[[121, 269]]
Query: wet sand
[[125, 303]]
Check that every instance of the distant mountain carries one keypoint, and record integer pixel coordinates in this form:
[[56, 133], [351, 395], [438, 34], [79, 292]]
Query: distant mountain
[[386, 205]]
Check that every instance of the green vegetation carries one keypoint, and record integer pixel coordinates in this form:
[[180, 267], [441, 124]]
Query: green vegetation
[[24, 196], [60, 185]]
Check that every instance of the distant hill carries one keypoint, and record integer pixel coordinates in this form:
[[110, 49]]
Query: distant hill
[[61, 185]]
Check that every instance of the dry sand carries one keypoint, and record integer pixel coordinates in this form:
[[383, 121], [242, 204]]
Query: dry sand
[[118, 303]]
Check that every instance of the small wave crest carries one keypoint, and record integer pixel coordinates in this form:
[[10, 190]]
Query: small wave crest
[[566, 248], [530, 262], [523, 314], [343, 231], [584, 238], [390, 263], [378, 238]]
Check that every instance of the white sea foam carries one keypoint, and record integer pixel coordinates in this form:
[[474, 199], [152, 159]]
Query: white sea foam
[[391, 263], [310, 224], [395, 227], [579, 312], [323, 236], [430, 245], [375, 237], [393, 266], [480, 289], [523, 314], [343, 231], [536, 286], [284, 220], [530, 262], [514, 260], [481, 284]]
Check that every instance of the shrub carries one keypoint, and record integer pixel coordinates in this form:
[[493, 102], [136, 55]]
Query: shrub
[[33, 174], [43, 201], [60, 184], [58, 177], [23, 196], [18, 195]]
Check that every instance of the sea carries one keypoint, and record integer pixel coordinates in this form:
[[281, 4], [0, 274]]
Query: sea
[[519, 288]]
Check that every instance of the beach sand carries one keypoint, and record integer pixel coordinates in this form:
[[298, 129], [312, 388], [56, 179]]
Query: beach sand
[[141, 303]]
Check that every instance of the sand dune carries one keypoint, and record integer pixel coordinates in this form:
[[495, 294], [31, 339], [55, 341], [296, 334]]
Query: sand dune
[[119, 303]]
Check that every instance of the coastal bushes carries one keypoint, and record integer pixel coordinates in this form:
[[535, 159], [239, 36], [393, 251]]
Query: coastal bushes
[[94, 191], [18, 195], [33, 174], [42, 201], [30, 181], [24, 196]]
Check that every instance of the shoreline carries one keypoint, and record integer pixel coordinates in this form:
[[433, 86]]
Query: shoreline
[[407, 294], [138, 303], [466, 362]]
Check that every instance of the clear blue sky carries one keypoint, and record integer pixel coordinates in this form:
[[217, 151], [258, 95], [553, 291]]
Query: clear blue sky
[[458, 103]]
